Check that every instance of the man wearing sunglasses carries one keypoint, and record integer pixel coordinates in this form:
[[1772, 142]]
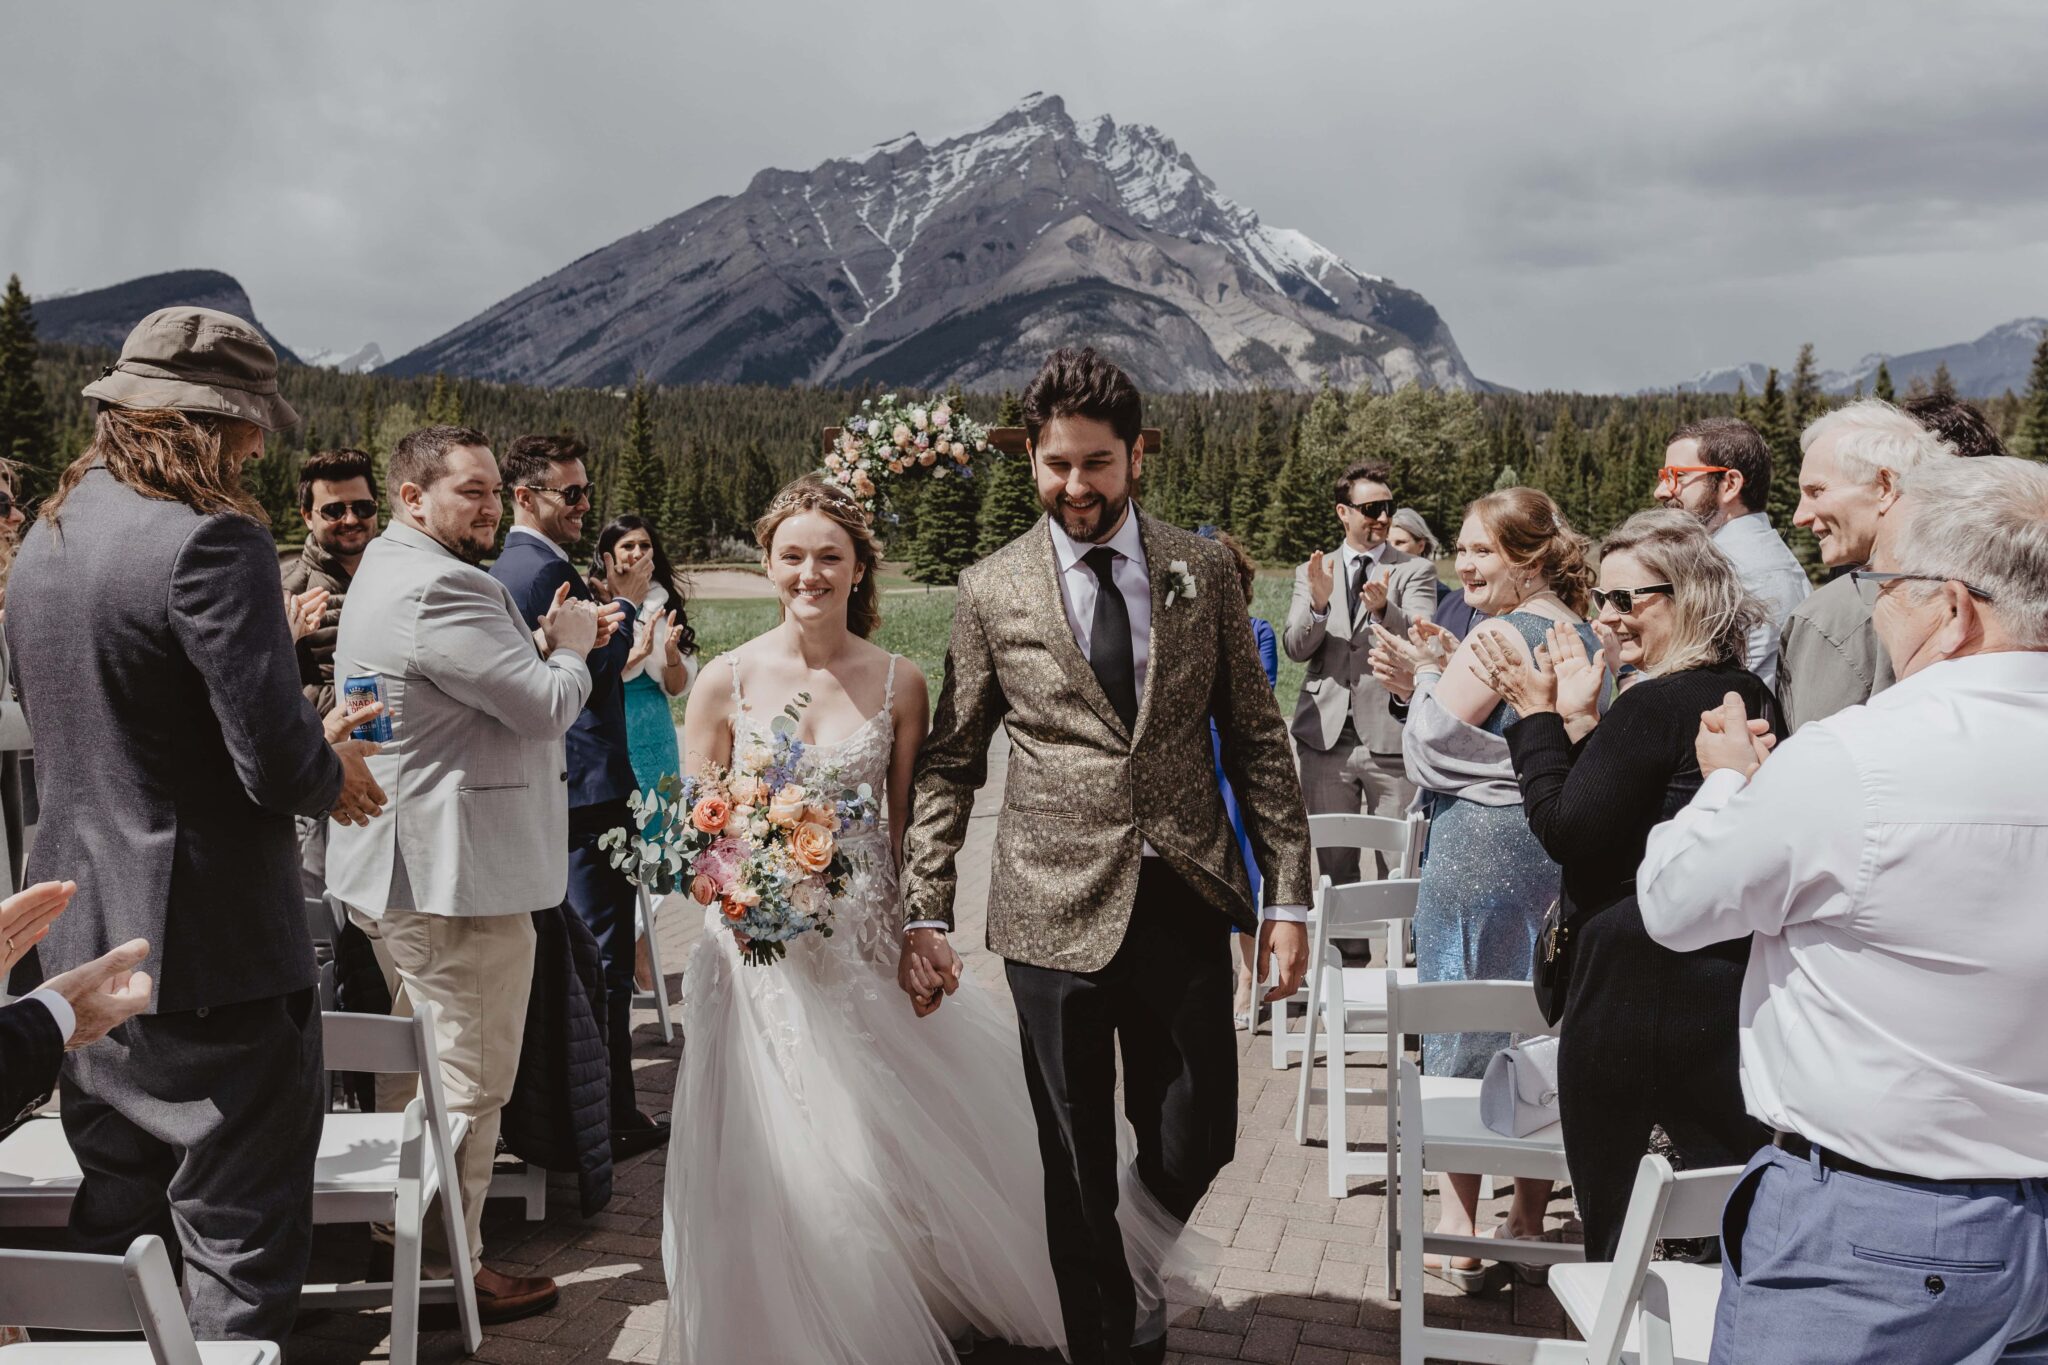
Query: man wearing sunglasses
[[1350, 743], [1718, 469], [338, 499], [551, 495]]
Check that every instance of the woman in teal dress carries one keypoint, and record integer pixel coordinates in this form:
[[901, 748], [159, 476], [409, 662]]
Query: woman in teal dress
[[1487, 883], [663, 662]]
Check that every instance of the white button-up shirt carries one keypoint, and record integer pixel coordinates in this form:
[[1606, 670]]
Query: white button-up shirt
[[1890, 862], [1078, 586], [557, 551]]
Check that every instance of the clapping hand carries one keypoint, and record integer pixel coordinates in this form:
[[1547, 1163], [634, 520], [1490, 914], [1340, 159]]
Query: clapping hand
[[569, 623], [1529, 687], [1322, 576], [672, 642], [104, 991], [1580, 679], [25, 917], [1372, 593], [304, 611], [1394, 661], [643, 641], [361, 799], [1728, 738]]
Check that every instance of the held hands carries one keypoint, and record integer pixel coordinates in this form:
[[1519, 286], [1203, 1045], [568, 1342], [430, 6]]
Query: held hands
[[569, 623], [104, 991], [631, 581], [1283, 952], [929, 969], [361, 799], [25, 918], [1322, 575], [1728, 738]]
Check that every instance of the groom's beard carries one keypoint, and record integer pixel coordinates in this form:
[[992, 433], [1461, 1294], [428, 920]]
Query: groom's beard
[[1090, 523]]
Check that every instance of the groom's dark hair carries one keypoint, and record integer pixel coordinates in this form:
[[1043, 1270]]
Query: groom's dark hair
[[1081, 383]]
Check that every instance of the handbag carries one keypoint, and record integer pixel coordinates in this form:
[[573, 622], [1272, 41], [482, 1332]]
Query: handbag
[[1519, 1092], [1553, 974]]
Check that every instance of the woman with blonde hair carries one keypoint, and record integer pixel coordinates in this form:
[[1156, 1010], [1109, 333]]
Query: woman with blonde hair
[[1487, 882], [1648, 1035]]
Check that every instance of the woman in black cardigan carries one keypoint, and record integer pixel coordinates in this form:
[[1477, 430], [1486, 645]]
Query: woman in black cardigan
[[1648, 1035]]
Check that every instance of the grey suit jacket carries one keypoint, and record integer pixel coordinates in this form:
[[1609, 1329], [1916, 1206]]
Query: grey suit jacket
[[1338, 652], [173, 746], [474, 770]]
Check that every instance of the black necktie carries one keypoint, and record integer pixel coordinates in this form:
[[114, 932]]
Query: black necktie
[[1357, 582], [1109, 639]]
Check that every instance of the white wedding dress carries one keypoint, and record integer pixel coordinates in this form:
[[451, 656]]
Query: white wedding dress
[[847, 1183]]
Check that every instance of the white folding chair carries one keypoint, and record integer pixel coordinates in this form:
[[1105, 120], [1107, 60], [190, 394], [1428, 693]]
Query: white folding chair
[[658, 997], [1401, 842], [387, 1168], [64, 1291], [38, 1175], [1353, 1009], [1652, 1312], [1433, 1125]]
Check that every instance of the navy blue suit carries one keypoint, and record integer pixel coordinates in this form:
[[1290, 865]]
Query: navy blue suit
[[600, 777], [30, 1052]]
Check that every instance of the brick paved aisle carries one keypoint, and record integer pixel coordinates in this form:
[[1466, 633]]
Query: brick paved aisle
[[1298, 1279]]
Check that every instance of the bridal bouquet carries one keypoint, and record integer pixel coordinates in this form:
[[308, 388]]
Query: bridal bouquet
[[755, 839], [888, 440]]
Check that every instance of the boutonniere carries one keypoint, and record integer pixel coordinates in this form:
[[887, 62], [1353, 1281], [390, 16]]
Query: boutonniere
[[1181, 582]]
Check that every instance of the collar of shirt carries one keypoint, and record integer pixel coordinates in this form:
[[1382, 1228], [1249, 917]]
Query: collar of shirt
[[1126, 542], [554, 549], [2005, 670], [1352, 556]]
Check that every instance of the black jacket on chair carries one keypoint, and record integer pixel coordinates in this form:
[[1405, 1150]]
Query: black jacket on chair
[[173, 745], [30, 1052], [559, 1115]]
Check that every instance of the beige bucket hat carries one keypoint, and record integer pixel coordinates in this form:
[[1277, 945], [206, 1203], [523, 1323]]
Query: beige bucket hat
[[197, 360]]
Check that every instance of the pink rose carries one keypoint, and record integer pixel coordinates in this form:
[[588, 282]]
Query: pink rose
[[703, 890]]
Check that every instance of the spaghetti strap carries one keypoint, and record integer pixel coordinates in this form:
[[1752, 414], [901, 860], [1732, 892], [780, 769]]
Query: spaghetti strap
[[738, 700], [889, 687]]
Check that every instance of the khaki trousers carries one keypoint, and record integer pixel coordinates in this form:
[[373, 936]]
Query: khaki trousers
[[1350, 779], [478, 971]]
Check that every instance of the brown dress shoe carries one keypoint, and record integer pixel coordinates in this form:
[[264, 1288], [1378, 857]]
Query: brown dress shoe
[[502, 1298]]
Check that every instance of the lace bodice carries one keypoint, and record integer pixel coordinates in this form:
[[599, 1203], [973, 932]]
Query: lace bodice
[[862, 756]]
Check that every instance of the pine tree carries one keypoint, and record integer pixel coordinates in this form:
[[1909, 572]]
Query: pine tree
[[1881, 387], [945, 525], [26, 434], [1743, 407], [688, 528], [1559, 469], [1773, 422], [752, 488], [1804, 399], [1252, 485], [444, 404], [1944, 382], [1298, 516], [2030, 438], [642, 477], [1009, 503]]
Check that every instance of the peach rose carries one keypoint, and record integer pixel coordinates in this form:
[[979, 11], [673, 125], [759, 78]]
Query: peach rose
[[926, 457], [711, 813], [703, 890], [748, 790], [919, 418], [824, 816], [862, 484], [787, 807], [960, 455], [901, 436], [734, 910], [895, 466], [810, 847]]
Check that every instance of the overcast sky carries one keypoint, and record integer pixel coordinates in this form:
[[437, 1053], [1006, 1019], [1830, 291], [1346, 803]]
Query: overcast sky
[[1595, 196]]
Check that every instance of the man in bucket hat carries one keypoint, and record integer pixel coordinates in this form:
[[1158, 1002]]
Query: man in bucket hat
[[173, 750]]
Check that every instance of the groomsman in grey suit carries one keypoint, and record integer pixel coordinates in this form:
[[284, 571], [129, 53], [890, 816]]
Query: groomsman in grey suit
[[477, 837], [173, 748], [1349, 742]]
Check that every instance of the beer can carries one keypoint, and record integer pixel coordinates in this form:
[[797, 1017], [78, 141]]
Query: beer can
[[367, 689]]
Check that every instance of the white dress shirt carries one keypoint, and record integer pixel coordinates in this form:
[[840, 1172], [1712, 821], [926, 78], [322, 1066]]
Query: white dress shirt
[[1773, 576], [557, 551], [1078, 586], [1889, 861], [59, 1008]]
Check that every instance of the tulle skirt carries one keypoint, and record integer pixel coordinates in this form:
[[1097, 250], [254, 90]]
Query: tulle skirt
[[849, 1183]]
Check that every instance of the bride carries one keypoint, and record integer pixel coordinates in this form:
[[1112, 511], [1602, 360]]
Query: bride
[[847, 1182]]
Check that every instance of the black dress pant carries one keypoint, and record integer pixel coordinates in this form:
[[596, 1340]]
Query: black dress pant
[[202, 1127], [1648, 1037], [1163, 1002], [605, 901]]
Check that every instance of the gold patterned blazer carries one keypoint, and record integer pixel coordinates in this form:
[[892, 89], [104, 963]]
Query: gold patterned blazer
[[1084, 795]]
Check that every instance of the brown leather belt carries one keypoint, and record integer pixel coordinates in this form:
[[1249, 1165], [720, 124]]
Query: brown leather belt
[[1805, 1150]]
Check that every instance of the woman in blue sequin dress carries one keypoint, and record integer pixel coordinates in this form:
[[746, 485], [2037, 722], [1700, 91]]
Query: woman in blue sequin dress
[[1486, 881]]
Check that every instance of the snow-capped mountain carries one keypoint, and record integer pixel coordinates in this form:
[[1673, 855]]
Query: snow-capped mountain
[[964, 261], [359, 361], [1984, 368]]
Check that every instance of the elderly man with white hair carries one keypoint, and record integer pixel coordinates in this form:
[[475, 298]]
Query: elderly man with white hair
[[1852, 461], [1886, 864]]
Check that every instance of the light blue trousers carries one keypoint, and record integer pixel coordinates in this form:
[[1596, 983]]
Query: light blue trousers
[[1839, 1268]]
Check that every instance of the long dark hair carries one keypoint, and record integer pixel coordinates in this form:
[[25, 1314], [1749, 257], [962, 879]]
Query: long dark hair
[[664, 572], [165, 454]]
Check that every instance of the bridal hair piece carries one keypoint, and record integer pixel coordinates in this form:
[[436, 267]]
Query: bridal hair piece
[[818, 493]]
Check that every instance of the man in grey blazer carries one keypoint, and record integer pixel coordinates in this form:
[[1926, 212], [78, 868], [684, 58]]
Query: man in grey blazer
[[477, 836], [1348, 741], [173, 748]]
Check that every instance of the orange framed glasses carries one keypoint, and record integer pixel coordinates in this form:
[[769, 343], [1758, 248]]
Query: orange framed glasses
[[1671, 475]]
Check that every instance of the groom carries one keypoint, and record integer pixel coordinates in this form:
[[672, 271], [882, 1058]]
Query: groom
[[1104, 640]]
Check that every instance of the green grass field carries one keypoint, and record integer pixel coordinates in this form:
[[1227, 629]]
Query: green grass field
[[916, 624]]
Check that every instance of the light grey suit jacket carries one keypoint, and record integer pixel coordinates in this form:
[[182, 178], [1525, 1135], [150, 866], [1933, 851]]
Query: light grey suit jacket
[[1338, 652], [478, 788]]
